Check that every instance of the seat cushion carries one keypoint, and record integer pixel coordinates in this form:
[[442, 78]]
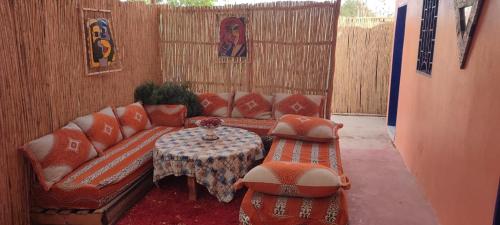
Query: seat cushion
[[260, 127], [55, 155], [98, 181], [322, 153], [216, 104], [102, 128], [133, 118], [252, 106], [304, 105], [263, 209]]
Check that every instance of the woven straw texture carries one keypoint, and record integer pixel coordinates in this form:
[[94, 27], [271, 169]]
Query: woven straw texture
[[43, 82], [363, 65]]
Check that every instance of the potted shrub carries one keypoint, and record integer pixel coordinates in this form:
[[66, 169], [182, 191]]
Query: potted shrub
[[168, 93]]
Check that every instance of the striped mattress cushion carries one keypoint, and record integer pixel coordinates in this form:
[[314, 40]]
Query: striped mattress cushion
[[289, 150], [98, 181]]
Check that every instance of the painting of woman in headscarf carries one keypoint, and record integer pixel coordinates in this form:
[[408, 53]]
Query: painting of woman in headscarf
[[233, 41], [100, 45]]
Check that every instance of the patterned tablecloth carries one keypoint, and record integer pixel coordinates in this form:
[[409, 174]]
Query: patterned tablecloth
[[215, 164]]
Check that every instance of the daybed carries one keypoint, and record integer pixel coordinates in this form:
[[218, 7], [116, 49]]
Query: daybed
[[99, 165], [285, 205]]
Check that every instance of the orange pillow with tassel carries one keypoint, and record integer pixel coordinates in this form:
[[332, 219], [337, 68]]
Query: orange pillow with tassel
[[216, 104], [55, 155], [295, 179], [305, 128], [102, 128], [297, 104], [167, 115], [252, 105], [133, 119]]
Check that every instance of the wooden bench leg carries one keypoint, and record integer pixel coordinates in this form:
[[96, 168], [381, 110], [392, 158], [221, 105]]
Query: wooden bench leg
[[191, 182]]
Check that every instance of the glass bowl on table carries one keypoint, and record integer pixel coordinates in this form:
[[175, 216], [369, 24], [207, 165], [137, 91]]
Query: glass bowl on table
[[210, 125]]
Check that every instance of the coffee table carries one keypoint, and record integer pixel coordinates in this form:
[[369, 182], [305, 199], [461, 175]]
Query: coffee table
[[217, 165]]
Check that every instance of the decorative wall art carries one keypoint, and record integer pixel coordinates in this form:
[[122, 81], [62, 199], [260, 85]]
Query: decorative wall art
[[233, 36], [101, 50], [467, 14]]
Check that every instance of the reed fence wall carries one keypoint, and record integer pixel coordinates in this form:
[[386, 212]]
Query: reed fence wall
[[363, 65], [43, 82], [291, 48]]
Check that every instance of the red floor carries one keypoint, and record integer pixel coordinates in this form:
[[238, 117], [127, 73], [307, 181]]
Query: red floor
[[169, 205], [383, 191]]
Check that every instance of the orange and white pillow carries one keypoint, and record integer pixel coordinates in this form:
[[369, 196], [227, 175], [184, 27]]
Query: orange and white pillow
[[102, 128], [295, 179], [133, 118], [55, 155], [305, 128], [167, 115], [216, 104], [252, 105], [304, 105]]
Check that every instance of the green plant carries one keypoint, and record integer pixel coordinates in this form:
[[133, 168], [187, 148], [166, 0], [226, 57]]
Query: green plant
[[169, 93], [147, 93]]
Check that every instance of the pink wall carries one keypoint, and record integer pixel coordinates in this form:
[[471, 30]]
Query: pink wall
[[448, 125]]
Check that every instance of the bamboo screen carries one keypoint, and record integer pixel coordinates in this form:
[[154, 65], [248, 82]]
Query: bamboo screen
[[363, 65], [291, 48], [43, 82]]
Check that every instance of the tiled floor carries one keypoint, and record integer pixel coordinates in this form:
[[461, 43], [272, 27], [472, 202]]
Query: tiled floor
[[383, 190]]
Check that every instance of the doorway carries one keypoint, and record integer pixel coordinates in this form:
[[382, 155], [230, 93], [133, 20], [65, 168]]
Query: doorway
[[397, 56]]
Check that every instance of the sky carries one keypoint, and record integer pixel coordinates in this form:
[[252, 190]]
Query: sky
[[385, 7]]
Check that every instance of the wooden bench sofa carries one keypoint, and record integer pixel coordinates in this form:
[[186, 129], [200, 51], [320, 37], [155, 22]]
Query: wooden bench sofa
[[101, 186]]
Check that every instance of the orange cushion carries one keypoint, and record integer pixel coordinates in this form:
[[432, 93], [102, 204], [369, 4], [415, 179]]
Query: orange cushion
[[305, 128], [216, 104], [167, 115], [294, 179], [55, 155], [102, 128], [265, 209], [252, 105], [133, 119], [304, 105]]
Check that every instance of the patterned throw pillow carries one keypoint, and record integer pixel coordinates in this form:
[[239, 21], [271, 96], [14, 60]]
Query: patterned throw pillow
[[102, 128], [133, 119], [167, 115], [252, 105], [305, 128], [55, 155], [295, 179], [216, 104], [304, 105]]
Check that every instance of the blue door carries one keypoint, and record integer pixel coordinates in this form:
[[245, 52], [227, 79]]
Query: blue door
[[397, 55]]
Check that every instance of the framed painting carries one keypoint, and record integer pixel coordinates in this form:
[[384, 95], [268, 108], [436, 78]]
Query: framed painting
[[233, 36], [100, 46]]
